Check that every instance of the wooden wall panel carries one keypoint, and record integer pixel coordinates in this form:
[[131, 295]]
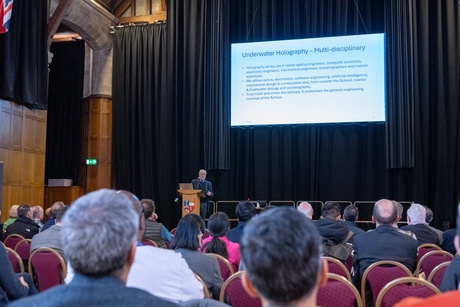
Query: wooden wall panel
[[99, 143], [22, 149]]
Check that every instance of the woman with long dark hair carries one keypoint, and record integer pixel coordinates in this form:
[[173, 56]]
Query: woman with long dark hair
[[187, 242], [218, 243]]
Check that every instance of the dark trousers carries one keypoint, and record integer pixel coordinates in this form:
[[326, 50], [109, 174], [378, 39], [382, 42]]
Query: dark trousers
[[203, 209]]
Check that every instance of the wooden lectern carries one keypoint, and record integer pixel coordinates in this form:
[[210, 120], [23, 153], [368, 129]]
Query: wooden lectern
[[190, 201]]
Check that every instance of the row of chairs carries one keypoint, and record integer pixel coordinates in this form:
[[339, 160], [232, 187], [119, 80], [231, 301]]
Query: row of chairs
[[45, 265], [380, 274]]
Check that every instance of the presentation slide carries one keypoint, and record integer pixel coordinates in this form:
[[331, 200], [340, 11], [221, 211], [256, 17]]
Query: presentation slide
[[322, 80]]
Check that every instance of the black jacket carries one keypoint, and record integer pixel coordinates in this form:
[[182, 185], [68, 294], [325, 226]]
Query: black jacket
[[23, 226]]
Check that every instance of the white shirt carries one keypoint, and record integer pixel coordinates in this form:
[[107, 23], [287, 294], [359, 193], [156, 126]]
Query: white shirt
[[164, 273], [161, 272]]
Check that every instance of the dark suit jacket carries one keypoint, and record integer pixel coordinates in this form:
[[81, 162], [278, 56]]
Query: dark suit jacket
[[424, 233], [236, 233], [385, 243], [206, 267], [205, 187], [93, 291], [451, 278], [448, 242]]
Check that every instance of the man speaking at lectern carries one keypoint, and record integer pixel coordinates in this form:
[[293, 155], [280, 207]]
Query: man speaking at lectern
[[206, 187]]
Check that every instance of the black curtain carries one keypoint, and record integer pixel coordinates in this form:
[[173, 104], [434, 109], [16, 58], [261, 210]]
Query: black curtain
[[64, 119], [24, 55], [411, 157], [143, 120]]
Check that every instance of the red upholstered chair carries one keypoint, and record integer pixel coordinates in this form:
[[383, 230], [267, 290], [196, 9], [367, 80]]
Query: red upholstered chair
[[437, 274], [149, 242], [337, 267], [380, 273], [404, 287], [430, 260], [23, 250], [173, 231], [338, 292], [233, 292], [16, 261], [226, 269], [12, 240], [426, 248], [47, 268]]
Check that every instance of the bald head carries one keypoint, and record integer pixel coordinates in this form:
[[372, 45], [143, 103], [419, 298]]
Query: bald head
[[384, 212], [306, 209]]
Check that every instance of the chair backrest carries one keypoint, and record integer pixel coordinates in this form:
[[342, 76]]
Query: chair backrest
[[430, 260], [399, 289], [205, 289], [337, 267], [47, 268], [149, 242], [437, 274], [232, 292], [12, 240], [23, 250], [426, 248], [15, 259], [338, 292], [379, 274], [173, 231], [226, 269]]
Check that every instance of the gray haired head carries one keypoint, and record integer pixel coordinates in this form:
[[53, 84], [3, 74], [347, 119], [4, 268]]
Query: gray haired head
[[98, 231]]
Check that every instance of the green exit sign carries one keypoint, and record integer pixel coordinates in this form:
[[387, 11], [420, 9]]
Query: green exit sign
[[91, 161]]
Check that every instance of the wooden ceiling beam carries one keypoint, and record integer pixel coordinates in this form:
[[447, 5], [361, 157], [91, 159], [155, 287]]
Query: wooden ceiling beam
[[157, 16], [120, 10]]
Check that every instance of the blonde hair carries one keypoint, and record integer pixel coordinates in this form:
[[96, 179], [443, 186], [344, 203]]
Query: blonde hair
[[14, 211]]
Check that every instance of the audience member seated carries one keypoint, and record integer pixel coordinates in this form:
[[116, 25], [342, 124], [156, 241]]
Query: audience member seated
[[428, 220], [13, 286], [450, 281], [53, 212], [12, 216], [448, 241], [217, 242], [37, 212], [161, 272], [186, 242], [268, 275], [335, 232], [416, 215], [99, 235], [24, 225], [51, 237], [350, 215], [245, 210], [306, 208], [399, 210], [385, 243], [153, 230], [451, 278]]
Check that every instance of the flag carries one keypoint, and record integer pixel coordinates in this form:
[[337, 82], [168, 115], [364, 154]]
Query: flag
[[6, 6]]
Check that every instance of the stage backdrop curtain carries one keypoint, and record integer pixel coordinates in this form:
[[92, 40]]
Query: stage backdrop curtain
[[400, 139], [329, 161], [64, 118], [143, 120], [24, 55], [198, 76], [316, 162]]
